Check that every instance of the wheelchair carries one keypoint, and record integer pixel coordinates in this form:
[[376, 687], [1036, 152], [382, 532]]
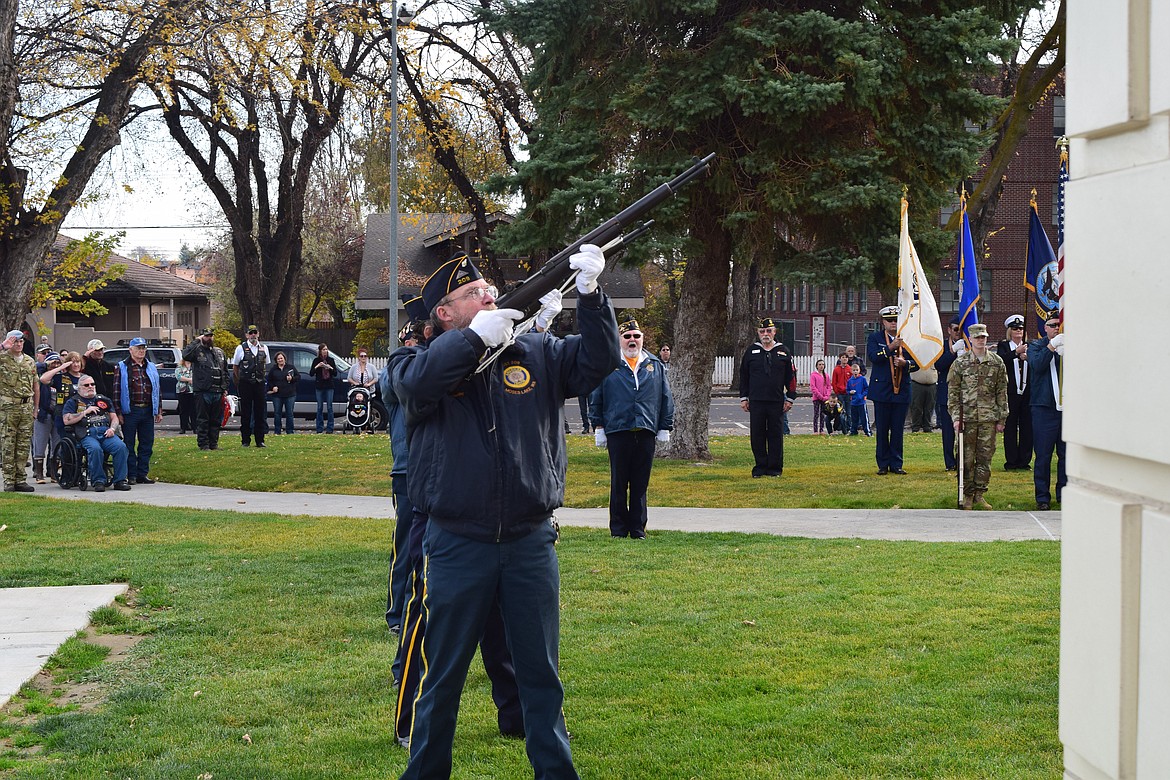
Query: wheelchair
[[73, 462]]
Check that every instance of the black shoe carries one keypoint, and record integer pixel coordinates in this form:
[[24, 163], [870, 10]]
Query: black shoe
[[883, 471], [952, 468], [898, 471], [204, 447], [246, 443], [123, 485], [261, 444], [1043, 506], [772, 473], [98, 487], [145, 481], [24, 487], [213, 446]]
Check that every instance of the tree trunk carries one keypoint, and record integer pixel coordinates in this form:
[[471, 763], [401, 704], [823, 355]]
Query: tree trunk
[[702, 313], [745, 285]]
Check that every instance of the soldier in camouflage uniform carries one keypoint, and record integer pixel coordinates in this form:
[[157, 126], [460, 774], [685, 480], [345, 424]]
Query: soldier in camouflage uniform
[[977, 402], [19, 396]]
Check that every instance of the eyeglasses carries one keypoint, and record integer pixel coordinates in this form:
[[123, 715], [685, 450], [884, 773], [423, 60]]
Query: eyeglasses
[[477, 293], [1052, 324], [631, 336]]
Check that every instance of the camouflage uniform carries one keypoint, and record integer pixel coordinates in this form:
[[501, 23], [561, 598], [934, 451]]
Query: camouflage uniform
[[18, 381], [979, 388]]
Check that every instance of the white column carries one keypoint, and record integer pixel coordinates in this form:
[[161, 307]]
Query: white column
[[1115, 577]]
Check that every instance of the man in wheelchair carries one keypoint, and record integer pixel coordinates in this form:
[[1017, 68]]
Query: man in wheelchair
[[91, 416]]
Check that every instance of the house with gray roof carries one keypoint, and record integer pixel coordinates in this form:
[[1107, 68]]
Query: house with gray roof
[[426, 241]]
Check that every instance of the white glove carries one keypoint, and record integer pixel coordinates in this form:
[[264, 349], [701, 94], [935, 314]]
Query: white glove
[[494, 326], [1057, 343], [662, 436], [599, 437], [590, 261], [551, 301]]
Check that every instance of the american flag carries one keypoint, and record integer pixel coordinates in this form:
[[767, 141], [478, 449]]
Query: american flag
[[1063, 182]]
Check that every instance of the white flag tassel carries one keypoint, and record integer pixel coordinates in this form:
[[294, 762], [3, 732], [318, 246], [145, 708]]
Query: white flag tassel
[[919, 325]]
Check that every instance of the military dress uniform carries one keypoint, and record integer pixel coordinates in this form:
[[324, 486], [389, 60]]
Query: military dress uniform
[[767, 379], [889, 390], [18, 385], [1017, 432], [977, 395]]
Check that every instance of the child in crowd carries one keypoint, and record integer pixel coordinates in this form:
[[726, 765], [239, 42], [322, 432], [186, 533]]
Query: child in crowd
[[858, 389], [834, 421]]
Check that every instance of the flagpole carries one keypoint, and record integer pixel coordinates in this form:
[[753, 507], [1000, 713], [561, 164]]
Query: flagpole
[[1028, 313]]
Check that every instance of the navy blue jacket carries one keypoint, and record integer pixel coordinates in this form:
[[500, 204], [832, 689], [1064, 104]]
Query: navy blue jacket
[[943, 367], [399, 447], [1040, 359], [625, 400], [487, 451], [881, 379]]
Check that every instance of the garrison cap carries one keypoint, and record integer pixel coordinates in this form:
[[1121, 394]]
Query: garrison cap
[[628, 325], [448, 278], [415, 309], [766, 322], [1014, 321], [889, 313], [976, 330]]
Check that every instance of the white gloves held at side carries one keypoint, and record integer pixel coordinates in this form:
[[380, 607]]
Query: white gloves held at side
[[494, 327], [599, 436], [589, 261], [551, 307]]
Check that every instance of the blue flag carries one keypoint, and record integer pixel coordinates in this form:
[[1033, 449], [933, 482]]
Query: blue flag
[[1040, 272], [968, 279]]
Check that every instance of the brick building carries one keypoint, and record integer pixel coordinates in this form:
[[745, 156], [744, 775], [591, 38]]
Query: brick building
[[852, 313]]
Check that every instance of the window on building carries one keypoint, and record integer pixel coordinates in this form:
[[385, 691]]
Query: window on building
[[851, 300], [1058, 116], [821, 299], [838, 301], [948, 291], [864, 296], [792, 298], [804, 297]]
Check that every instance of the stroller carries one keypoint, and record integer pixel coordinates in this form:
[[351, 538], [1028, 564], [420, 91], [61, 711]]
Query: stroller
[[359, 408]]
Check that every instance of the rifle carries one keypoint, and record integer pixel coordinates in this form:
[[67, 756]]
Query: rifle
[[526, 295]]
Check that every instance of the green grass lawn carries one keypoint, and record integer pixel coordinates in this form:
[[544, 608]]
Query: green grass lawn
[[835, 472], [689, 656]]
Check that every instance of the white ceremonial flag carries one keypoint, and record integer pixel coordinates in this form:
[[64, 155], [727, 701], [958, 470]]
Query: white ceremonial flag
[[919, 326]]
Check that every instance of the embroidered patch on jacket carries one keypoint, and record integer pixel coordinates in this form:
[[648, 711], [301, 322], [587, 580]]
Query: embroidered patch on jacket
[[649, 368], [517, 380]]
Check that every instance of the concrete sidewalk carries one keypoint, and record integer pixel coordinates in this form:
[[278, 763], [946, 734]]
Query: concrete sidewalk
[[923, 525], [34, 622]]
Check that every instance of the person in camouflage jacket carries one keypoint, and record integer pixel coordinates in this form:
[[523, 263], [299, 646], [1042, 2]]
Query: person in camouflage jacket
[[19, 398], [977, 402]]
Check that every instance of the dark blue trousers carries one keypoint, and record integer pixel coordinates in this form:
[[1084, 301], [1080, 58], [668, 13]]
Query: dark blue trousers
[[138, 432], [947, 426], [1046, 437], [889, 422], [398, 579], [463, 578], [766, 427], [631, 456]]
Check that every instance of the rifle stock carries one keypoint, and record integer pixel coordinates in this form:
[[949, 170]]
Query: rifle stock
[[525, 296]]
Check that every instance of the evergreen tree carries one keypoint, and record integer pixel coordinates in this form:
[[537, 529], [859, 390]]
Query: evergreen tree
[[819, 112]]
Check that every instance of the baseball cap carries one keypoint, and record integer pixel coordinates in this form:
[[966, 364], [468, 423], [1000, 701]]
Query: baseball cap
[[94, 344], [138, 341]]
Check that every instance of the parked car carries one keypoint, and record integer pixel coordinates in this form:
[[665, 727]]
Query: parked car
[[166, 358]]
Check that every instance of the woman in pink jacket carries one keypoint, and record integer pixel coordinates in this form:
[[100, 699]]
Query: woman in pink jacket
[[821, 387]]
